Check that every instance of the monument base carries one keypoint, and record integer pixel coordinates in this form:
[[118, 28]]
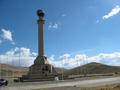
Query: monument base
[[41, 70]]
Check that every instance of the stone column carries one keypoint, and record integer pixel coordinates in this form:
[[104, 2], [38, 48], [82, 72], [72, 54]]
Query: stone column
[[40, 33]]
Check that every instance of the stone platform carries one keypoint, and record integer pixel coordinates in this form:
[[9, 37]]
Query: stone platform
[[41, 70]]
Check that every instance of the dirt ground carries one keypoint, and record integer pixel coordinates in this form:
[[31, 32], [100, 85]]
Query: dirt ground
[[110, 87]]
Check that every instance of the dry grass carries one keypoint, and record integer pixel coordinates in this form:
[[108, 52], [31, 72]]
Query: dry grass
[[112, 87]]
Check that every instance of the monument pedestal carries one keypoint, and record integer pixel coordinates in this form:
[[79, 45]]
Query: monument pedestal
[[40, 70]]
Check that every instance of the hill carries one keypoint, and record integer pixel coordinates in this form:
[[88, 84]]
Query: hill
[[90, 68], [15, 71], [93, 68], [12, 71]]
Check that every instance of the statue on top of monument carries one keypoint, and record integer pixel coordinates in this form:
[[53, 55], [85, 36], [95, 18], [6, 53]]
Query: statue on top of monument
[[40, 13]]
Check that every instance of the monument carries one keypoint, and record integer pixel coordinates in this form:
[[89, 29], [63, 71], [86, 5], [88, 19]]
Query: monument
[[41, 69]]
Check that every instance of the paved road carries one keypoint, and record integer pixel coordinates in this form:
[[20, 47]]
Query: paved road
[[83, 83]]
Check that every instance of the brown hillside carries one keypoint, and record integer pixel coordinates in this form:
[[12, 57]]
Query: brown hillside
[[93, 68], [10, 70]]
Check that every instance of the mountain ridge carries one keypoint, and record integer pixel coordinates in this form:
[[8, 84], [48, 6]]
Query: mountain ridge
[[93, 68], [90, 68]]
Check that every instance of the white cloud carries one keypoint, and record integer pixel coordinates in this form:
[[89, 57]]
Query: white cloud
[[53, 26], [68, 61], [113, 12], [52, 57], [65, 56], [25, 51], [7, 35], [80, 57], [24, 57], [18, 56], [34, 54]]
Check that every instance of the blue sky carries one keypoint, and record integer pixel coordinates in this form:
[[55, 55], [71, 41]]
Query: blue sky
[[71, 26]]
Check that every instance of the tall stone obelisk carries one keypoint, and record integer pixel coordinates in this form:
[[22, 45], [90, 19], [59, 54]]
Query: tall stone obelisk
[[40, 33], [41, 59], [41, 69]]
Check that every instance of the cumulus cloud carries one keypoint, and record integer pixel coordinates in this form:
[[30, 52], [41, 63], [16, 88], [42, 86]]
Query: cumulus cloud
[[113, 12], [34, 54], [53, 26], [24, 57], [69, 61], [18, 56], [65, 56], [7, 35], [25, 51]]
